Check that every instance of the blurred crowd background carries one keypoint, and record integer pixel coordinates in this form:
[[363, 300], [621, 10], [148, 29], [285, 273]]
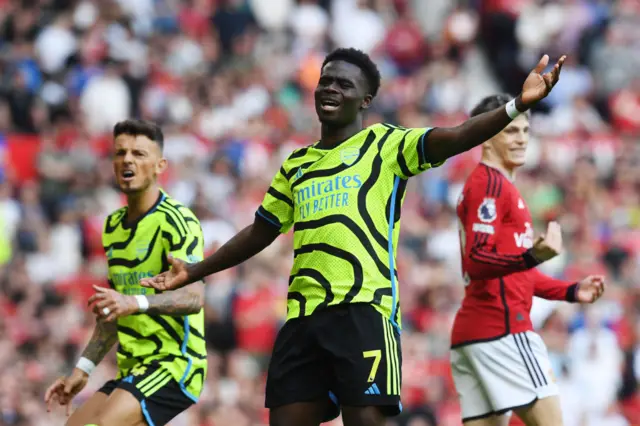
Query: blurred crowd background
[[231, 82]]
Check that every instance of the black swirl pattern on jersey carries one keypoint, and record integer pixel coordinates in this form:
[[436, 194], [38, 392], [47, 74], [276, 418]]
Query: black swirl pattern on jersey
[[279, 195], [132, 263], [198, 372], [371, 137], [355, 229], [377, 295], [160, 320], [402, 188], [175, 218], [376, 167], [152, 338], [358, 276], [298, 297], [179, 321]]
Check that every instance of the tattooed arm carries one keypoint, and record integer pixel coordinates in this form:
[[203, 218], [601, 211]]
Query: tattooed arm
[[105, 335], [185, 301], [111, 304]]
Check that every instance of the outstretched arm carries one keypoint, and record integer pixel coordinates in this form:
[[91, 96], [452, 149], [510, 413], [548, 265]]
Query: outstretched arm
[[112, 304], [243, 246], [443, 143]]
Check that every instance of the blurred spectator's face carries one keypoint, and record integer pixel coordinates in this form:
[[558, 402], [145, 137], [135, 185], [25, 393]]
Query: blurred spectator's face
[[137, 162], [510, 146], [341, 94]]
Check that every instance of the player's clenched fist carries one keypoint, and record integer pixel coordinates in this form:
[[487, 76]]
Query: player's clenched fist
[[111, 305], [590, 289], [64, 389], [548, 245]]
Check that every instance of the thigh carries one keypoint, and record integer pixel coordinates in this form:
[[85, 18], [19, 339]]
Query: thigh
[[543, 412], [475, 406], [366, 357], [299, 414], [121, 409], [363, 416], [88, 411], [514, 371], [298, 372]]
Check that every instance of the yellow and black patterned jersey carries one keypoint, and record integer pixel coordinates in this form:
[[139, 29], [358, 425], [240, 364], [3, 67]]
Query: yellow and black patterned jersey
[[138, 250], [344, 206]]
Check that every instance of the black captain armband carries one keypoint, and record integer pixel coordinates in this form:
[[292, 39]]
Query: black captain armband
[[529, 259]]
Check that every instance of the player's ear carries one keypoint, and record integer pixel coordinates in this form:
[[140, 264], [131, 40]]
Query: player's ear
[[161, 165], [366, 102]]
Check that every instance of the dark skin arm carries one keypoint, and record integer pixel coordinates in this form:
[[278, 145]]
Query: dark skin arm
[[243, 246], [246, 244], [443, 143]]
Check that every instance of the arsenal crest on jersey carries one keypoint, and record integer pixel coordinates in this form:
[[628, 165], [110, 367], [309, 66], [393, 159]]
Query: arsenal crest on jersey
[[487, 211], [349, 155]]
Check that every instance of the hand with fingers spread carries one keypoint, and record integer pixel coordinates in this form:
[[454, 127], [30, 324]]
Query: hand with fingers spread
[[548, 245], [109, 305], [537, 85], [590, 289], [173, 279], [64, 389]]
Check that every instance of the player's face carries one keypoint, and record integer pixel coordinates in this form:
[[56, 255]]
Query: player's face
[[341, 93], [510, 145], [137, 161]]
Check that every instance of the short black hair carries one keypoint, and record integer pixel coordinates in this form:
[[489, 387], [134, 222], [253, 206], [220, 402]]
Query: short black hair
[[490, 103], [362, 61], [135, 127]]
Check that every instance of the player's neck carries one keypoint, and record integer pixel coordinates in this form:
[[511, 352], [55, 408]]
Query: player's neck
[[139, 203], [510, 173], [331, 136]]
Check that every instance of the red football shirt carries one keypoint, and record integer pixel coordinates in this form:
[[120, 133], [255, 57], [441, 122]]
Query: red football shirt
[[496, 236]]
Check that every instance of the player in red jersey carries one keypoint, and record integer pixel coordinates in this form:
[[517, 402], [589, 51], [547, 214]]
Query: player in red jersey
[[498, 363]]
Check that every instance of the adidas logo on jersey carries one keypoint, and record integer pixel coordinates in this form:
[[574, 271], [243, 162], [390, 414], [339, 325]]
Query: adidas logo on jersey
[[373, 390]]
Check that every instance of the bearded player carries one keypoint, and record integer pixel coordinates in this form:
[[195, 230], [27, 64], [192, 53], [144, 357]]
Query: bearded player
[[161, 353], [340, 347], [498, 363]]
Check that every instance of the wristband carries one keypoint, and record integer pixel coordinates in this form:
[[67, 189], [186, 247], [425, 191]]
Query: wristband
[[511, 109], [85, 365], [571, 295], [143, 303]]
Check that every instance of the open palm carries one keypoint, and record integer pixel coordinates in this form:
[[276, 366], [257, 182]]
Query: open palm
[[537, 85], [174, 278]]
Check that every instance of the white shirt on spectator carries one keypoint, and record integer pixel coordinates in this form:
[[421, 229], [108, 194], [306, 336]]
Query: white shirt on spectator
[[358, 27], [105, 101], [53, 46]]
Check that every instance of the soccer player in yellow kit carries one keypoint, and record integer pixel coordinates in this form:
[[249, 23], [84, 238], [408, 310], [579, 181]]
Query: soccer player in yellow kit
[[162, 352], [340, 346]]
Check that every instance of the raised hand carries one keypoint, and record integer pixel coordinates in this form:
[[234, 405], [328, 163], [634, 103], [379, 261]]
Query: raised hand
[[111, 305], [174, 278], [64, 389], [548, 245], [537, 86], [590, 289]]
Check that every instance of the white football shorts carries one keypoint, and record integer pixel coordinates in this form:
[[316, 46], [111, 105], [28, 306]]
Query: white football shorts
[[495, 377]]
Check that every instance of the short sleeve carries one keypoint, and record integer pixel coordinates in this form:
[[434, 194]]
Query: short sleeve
[[404, 151], [182, 236], [277, 205]]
